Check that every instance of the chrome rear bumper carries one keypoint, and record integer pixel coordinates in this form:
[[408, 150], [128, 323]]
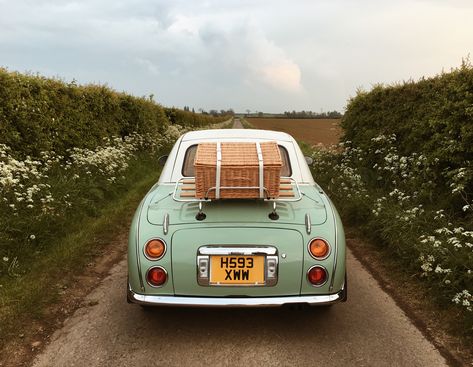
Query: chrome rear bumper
[[317, 300]]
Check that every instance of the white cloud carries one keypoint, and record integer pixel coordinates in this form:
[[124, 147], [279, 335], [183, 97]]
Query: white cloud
[[284, 75], [148, 65], [260, 55], [244, 48]]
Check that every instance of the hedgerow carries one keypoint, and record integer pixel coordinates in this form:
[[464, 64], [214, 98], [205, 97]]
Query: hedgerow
[[65, 152], [433, 116], [42, 198], [403, 174], [39, 114]]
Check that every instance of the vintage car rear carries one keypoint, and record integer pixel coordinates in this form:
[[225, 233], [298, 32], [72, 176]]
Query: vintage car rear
[[244, 252]]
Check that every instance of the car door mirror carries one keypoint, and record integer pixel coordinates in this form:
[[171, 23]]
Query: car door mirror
[[309, 160], [162, 160]]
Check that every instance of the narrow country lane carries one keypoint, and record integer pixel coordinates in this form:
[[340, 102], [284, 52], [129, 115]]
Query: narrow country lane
[[237, 124], [368, 330]]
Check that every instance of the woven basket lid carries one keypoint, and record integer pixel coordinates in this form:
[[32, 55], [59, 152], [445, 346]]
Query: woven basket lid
[[238, 154]]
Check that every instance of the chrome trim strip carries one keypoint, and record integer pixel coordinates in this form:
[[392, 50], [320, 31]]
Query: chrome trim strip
[[166, 224], [271, 271], [233, 250], [308, 224], [138, 255], [335, 250], [203, 274], [186, 200], [315, 300]]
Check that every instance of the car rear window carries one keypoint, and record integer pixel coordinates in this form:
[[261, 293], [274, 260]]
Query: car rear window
[[188, 165]]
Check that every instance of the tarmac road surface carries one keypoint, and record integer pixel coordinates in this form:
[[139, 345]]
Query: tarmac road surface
[[368, 330], [237, 124]]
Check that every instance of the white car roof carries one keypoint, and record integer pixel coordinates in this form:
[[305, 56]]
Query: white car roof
[[237, 134], [172, 170]]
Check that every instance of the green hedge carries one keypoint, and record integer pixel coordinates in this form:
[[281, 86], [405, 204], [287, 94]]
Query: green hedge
[[43, 114], [188, 118], [432, 116], [404, 175]]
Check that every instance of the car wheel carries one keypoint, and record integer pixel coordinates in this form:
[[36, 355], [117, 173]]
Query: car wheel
[[146, 308], [344, 296]]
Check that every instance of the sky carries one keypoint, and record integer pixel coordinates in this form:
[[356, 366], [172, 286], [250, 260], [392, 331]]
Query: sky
[[256, 55]]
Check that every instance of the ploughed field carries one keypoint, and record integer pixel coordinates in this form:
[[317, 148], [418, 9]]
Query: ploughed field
[[310, 131]]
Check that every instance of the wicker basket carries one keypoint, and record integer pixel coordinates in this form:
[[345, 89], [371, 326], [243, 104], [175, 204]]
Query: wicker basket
[[239, 168]]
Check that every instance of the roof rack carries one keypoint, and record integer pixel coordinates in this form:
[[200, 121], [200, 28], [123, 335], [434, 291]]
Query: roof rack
[[184, 191]]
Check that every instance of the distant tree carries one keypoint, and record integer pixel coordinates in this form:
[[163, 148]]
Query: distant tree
[[310, 114]]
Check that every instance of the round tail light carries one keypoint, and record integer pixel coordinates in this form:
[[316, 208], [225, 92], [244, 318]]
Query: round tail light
[[156, 276], [317, 275], [154, 249], [319, 248]]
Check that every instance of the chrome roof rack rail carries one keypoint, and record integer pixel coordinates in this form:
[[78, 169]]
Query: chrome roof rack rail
[[179, 189]]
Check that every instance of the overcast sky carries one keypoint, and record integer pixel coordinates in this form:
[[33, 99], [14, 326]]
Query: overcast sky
[[268, 56]]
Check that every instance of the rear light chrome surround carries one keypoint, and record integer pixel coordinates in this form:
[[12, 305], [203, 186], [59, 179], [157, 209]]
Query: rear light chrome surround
[[317, 285], [316, 257], [155, 258], [157, 285]]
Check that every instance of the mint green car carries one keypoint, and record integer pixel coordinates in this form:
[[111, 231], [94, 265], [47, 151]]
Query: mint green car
[[236, 253]]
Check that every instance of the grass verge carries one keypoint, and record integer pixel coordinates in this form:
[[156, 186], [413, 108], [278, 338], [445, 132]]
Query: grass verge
[[26, 299], [222, 125], [246, 124]]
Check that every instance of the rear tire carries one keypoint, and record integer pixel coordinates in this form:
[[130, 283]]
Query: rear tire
[[147, 309], [344, 295]]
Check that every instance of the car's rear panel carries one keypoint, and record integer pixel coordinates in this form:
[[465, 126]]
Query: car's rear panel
[[287, 244], [240, 225]]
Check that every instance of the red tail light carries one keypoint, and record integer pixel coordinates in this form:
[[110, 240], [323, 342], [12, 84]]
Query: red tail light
[[156, 276], [317, 275]]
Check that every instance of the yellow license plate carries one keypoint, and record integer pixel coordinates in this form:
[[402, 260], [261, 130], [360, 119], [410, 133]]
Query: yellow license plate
[[237, 270]]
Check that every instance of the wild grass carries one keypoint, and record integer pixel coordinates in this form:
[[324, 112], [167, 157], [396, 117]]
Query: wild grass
[[42, 198], [27, 297], [404, 175], [55, 208], [246, 124], [392, 203]]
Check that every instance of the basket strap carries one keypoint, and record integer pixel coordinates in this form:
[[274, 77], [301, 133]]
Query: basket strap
[[261, 170], [219, 166]]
